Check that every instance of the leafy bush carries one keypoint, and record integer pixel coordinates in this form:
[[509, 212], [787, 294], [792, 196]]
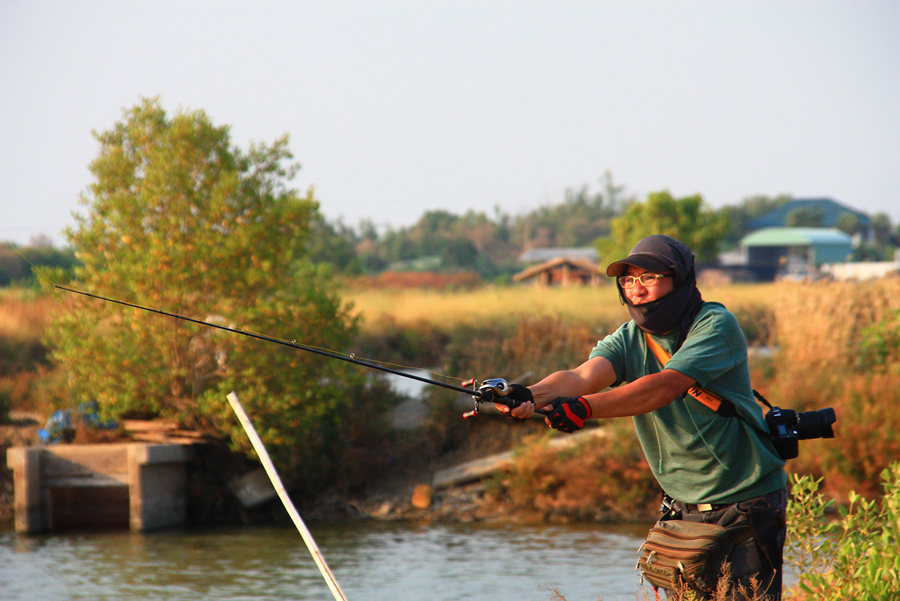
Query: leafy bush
[[879, 348], [856, 556]]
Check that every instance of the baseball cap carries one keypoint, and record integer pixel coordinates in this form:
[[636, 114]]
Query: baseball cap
[[656, 253]]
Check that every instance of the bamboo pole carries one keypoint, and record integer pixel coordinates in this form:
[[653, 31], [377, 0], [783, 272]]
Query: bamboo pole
[[285, 499]]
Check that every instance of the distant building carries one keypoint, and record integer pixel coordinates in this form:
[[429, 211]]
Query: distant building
[[541, 255], [773, 249], [562, 271], [794, 251]]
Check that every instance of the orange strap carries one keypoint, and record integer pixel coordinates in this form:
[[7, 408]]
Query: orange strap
[[711, 400]]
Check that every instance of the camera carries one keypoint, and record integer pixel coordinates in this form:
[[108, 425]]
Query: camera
[[787, 427]]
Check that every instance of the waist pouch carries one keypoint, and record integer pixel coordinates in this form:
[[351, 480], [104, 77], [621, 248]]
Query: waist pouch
[[679, 553]]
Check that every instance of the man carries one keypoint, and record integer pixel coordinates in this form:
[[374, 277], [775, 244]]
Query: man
[[713, 466]]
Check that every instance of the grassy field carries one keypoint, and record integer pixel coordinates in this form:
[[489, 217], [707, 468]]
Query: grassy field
[[450, 310]]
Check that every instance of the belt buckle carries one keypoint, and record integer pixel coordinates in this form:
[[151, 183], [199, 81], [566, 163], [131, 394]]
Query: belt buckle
[[704, 507]]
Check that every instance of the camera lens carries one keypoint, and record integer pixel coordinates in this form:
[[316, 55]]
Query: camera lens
[[815, 424]]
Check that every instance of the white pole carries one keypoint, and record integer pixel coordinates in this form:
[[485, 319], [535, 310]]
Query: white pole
[[282, 494]]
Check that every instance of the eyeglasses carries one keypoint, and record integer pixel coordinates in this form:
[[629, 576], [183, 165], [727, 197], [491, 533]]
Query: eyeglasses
[[646, 279]]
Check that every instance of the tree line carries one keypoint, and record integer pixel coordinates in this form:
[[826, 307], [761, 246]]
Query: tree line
[[606, 218], [490, 246]]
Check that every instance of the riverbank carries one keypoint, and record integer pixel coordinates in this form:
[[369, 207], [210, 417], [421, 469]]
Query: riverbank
[[406, 492]]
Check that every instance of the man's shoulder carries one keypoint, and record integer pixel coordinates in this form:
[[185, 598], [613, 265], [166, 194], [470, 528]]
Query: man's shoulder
[[715, 322], [623, 337], [629, 329], [714, 312], [713, 307]]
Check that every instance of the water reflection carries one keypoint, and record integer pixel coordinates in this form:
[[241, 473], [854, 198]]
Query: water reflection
[[372, 562]]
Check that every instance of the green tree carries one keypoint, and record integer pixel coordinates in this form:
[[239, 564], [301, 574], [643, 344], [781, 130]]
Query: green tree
[[17, 264], [334, 244], [882, 245], [581, 218], [806, 217], [848, 223], [179, 219], [687, 219], [881, 228], [740, 215]]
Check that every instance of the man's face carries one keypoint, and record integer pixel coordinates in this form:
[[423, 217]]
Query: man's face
[[640, 294]]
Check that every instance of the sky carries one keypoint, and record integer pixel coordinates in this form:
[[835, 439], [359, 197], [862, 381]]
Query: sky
[[395, 108]]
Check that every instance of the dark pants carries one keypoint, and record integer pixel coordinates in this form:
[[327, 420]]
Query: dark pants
[[760, 556]]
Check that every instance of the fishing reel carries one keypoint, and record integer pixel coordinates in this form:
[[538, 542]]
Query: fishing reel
[[494, 390], [490, 391]]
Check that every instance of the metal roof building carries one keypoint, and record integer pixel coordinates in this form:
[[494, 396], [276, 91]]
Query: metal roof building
[[774, 251], [540, 255], [829, 210]]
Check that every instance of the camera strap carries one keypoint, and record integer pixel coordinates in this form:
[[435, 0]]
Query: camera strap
[[723, 407]]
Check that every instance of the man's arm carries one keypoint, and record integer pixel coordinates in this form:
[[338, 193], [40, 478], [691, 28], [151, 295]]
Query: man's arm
[[641, 396], [589, 380], [591, 376]]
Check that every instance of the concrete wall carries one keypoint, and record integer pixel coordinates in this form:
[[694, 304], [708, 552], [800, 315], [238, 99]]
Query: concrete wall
[[70, 487], [862, 271]]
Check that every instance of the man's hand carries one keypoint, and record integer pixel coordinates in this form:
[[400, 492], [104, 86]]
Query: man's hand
[[568, 414], [520, 396]]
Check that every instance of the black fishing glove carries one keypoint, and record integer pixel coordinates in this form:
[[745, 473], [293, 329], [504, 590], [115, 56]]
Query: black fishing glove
[[518, 394], [568, 414]]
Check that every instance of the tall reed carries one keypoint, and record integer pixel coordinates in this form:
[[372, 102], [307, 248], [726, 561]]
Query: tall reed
[[486, 306], [825, 334]]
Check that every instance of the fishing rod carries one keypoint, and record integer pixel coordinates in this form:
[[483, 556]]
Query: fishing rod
[[492, 390]]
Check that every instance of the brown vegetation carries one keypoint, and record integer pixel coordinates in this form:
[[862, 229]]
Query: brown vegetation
[[830, 345], [822, 345], [398, 280]]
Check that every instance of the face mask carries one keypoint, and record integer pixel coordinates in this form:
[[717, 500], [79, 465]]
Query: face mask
[[677, 309], [666, 313]]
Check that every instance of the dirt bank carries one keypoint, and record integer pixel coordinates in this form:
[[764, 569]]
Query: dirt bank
[[402, 493]]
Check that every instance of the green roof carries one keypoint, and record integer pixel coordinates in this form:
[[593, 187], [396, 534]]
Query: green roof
[[796, 236]]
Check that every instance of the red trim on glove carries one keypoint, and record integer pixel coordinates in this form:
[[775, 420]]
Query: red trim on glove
[[574, 418], [586, 406]]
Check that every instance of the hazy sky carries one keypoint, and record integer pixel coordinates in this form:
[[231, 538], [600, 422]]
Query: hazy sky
[[395, 108]]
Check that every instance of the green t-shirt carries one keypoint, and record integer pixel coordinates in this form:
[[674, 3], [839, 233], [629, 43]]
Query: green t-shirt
[[697, 455]]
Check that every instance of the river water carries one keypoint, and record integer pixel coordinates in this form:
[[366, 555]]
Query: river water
[[372, 561]]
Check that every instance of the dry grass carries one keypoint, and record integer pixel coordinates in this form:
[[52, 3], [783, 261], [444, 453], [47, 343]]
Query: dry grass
[[823, 336], [24, 314], [499, 305], [506, 304], [820, 329], [725, 591]]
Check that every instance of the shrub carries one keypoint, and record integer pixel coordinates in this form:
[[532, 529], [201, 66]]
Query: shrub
[[856, 556], [604, 478]]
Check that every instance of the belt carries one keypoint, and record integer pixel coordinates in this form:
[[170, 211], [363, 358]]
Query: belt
[[702, 506], [669, 503]]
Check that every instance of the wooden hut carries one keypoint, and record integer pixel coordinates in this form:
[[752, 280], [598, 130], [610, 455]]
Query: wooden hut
[[562, 271]]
